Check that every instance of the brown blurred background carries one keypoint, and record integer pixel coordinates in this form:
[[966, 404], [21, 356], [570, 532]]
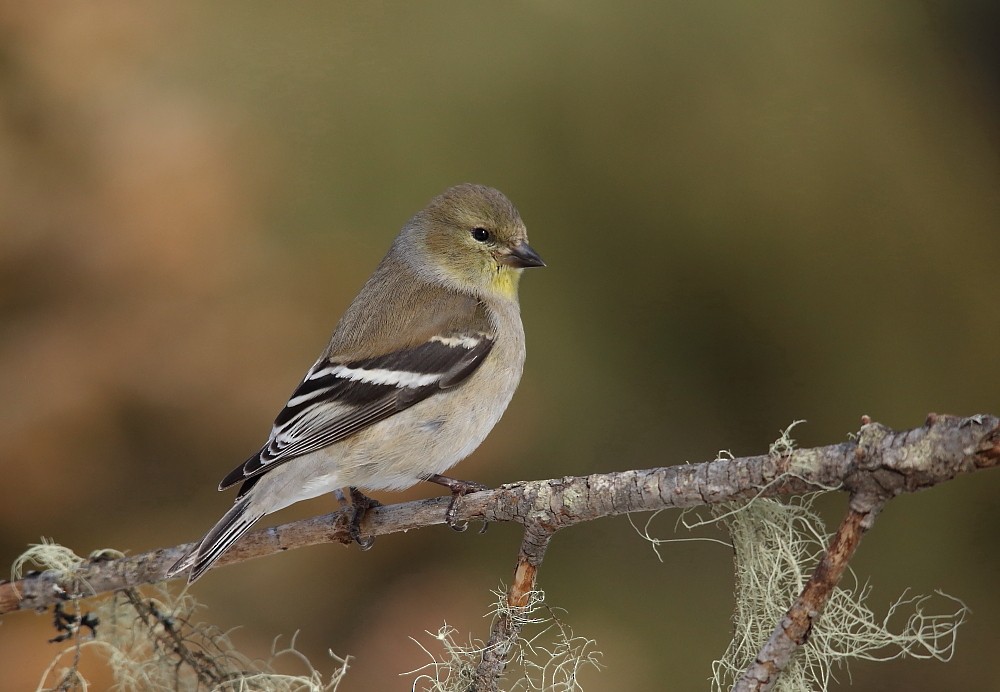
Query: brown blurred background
[[752, 213]]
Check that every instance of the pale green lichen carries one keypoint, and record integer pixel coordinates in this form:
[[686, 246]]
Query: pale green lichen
[[776, 547], [150, 643], [547, 655]]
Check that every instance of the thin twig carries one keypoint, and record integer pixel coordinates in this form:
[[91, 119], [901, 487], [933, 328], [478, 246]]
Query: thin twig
[[165, 634]]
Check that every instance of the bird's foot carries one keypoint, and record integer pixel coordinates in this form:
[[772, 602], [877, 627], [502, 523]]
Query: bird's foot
[[459, 489], [361, 503]]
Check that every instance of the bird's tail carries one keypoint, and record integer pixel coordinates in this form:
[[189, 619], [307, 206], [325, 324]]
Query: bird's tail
[[227, 531]]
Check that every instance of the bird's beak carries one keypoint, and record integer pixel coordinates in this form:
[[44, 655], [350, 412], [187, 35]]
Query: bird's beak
[[521, 256]]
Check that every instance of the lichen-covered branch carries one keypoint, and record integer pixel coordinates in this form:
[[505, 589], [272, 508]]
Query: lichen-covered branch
[[880, 462], [795, 627], [883, 459], [507, 625]]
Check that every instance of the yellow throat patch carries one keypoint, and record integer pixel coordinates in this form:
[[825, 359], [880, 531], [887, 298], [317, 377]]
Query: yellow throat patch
[[505, 280]]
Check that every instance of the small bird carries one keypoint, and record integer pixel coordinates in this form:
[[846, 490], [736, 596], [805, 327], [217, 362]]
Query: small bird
[[418, 371]]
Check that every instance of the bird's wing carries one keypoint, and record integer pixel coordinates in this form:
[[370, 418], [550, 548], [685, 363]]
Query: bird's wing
[[338, 399]]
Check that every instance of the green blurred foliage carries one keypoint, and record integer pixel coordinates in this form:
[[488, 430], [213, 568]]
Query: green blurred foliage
[[752, 213]]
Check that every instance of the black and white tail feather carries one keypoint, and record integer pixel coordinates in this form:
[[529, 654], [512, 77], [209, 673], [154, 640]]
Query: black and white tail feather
[[334, 401], [236, 522]]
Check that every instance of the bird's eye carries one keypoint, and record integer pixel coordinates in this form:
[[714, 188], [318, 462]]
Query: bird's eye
[[480, 234]]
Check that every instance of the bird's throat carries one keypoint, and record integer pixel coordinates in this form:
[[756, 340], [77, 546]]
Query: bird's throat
[[505, 280]]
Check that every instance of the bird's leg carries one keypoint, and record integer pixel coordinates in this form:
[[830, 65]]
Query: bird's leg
[[361, 504], [458, 490]]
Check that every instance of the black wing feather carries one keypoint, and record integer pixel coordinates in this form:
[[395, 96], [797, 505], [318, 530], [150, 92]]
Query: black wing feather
[[366, 403]]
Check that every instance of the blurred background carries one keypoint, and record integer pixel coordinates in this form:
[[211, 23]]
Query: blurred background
[[752, 213]]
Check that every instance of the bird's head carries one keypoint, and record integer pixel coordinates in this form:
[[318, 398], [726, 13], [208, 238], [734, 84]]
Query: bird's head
[[471, 238]]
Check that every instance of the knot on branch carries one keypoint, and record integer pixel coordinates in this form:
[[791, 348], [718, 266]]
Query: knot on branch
[[888, 463], [872, 483], [547, 506]]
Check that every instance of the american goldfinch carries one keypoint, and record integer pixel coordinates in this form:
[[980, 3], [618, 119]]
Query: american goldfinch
[[418, 371]]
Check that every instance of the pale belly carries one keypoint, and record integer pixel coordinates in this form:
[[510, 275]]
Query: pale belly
[[424, 441]]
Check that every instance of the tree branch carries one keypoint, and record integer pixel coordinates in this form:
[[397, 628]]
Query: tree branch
[[507, 626], [880, 463]]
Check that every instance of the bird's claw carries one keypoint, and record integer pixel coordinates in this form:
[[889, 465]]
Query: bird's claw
[[459, 489], [361, 503], [451, 514]]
